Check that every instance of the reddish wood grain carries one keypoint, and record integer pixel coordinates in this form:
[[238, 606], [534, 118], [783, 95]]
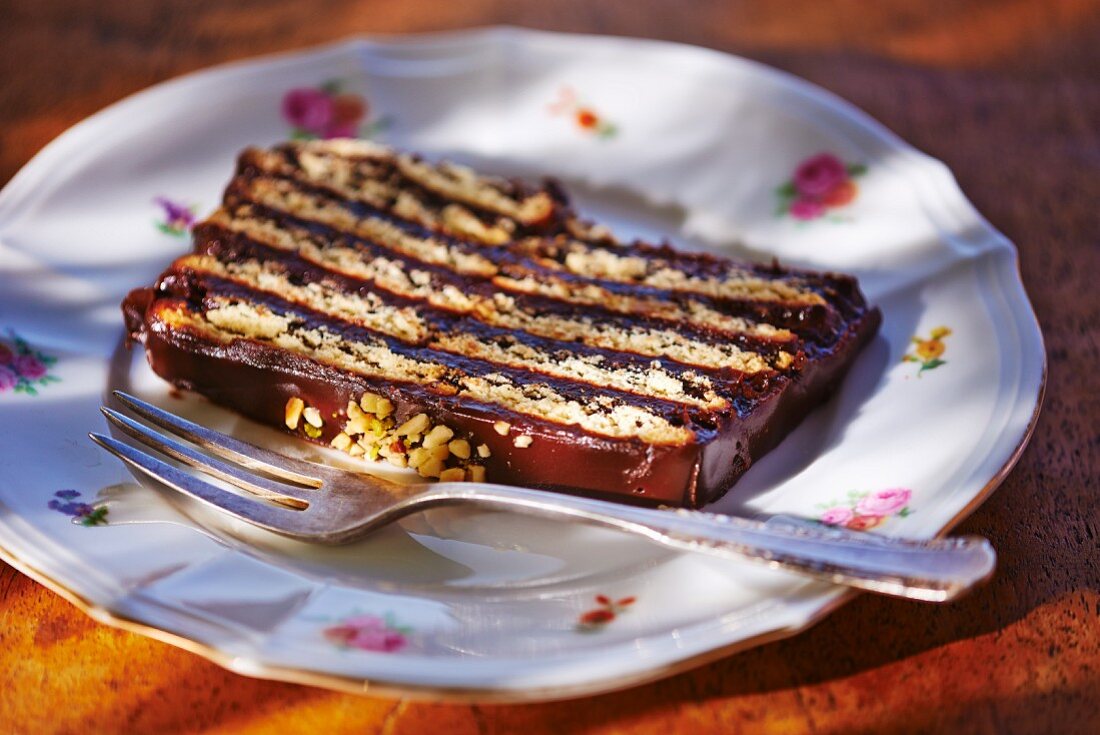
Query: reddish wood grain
[[1005, 92]]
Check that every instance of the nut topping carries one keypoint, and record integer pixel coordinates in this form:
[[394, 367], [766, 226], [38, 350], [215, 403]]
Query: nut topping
[[294, 412]]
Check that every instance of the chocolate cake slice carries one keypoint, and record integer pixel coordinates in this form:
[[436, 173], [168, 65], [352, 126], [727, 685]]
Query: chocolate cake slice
[[474, 328]]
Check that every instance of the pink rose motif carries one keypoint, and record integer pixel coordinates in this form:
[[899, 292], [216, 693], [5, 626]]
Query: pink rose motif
[[367, 633], [341, 130], [806, 209], [818, 175], [8, 378], [836, 516], [884, 502], [864, 523], [29, 367], [308, 109], [6, 355], [347, 110]]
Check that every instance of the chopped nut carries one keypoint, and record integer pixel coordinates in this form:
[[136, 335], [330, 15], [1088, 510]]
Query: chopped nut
[[438, 435], [383, 408], [460, 448], [440, 453], [313, 417], [477, 473], [418, 424], [369, 438], [341, 441], [417, 457], [356, 450], [398, 460], [483, 451], [312, 431], [294, 412], [369, 402], [455, 474], [522, 441], [431, 468], [502, 427], [357, 425]]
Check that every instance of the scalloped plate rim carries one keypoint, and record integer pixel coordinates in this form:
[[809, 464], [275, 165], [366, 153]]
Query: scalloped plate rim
[[951, 203]]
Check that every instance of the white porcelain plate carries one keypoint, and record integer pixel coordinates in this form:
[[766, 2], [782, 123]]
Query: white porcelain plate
[[656, 139]]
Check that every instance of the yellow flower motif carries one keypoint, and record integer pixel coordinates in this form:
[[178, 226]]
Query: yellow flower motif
[[929, 352], [929, 349]]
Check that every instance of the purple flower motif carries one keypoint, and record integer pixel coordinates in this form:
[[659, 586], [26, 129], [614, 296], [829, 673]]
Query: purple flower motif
[[817, 176], [309, 110], [836, 516], [83, 513], [29, 367], [8, 378], [806, 209], [178, 218], [71, 509]]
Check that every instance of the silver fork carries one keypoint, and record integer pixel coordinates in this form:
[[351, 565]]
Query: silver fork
[[311, 502]]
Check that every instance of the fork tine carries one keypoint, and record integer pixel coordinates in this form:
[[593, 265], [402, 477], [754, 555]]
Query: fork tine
[[244, 453], [244, 479], [254, 511]]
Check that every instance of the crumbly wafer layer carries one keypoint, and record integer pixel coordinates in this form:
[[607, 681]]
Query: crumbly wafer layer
[[437, 330], [227, 319]]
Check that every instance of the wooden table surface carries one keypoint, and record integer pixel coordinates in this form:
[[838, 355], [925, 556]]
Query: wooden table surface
[[1006, 93]]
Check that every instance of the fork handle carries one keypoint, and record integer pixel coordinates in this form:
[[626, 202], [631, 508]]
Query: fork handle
[[933, 570]]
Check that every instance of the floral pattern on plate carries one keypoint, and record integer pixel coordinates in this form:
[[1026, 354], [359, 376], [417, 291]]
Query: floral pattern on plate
[[328, 111], [367, 632], [861, 511], [586, 119], [460, 640], [607, 610], [178, 218], [820, 184], [928, 353], [22, 367], [68, 503]]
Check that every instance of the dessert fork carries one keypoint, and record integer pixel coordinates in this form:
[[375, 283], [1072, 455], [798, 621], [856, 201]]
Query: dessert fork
[[311, 502]]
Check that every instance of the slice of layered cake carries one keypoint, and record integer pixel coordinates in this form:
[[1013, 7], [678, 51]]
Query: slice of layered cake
[[474, 328]]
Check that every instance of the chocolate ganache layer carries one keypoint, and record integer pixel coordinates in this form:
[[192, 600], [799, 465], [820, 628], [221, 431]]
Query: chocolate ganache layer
[[475, 328]]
